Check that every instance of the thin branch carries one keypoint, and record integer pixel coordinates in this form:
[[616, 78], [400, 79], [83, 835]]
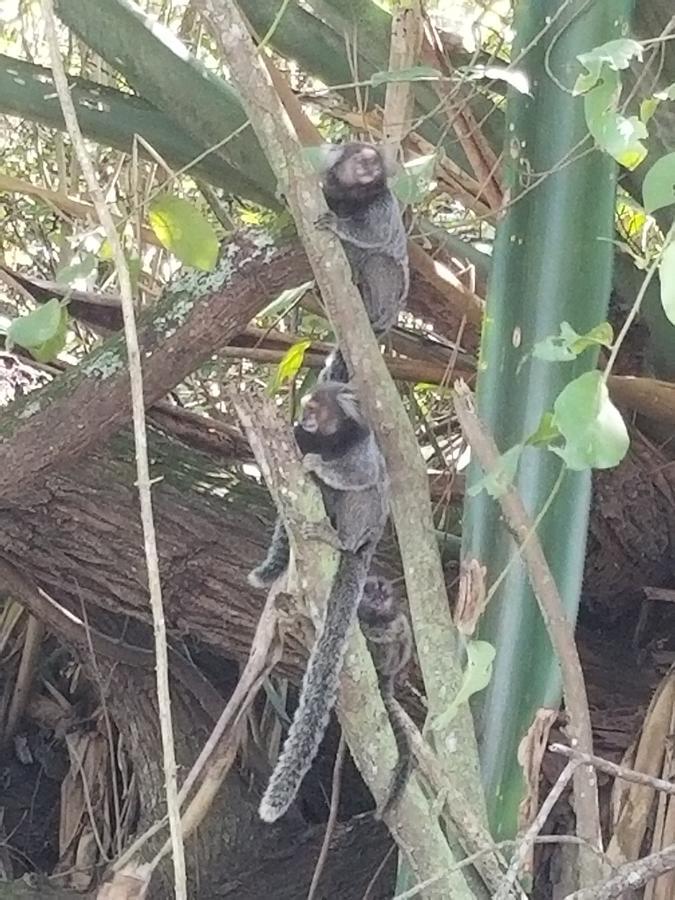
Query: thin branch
[[560, 630], [332, 818], [140, 441], [32, 644], [604, 765], [64, 204], [474, 837], [527, 841], [631, 876]]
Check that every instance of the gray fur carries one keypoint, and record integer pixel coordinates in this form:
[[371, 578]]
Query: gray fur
[[387, 632], [355, 492], [366, 217]]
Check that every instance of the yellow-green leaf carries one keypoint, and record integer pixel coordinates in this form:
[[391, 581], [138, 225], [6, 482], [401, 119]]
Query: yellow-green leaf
[[182, 229], [289, 365]]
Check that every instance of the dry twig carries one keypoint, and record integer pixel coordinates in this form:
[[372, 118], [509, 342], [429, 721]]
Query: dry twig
[[140, 441], [631, 876], [332, 818], [604, 765], [528, 839]]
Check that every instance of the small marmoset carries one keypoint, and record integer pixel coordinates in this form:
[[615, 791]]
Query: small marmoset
[[365, 216], [387, 632], [340, 451]]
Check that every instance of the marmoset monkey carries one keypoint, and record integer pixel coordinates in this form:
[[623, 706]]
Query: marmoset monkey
[[340, 451], [387, 632], [365, 216]]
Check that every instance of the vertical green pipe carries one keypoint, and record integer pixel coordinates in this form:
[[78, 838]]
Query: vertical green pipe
[[552, 263]]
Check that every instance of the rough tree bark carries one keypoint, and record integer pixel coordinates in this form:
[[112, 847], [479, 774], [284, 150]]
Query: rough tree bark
[[78, 538]]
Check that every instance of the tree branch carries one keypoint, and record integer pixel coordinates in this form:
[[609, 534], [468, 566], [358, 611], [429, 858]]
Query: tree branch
[[604, 765], [631, 876], [435, 635], [411, 507], [195, 317]]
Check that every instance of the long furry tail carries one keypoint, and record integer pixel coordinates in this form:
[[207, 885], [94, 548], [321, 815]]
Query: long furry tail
[[319, 687], [276, 561], [404, 763]]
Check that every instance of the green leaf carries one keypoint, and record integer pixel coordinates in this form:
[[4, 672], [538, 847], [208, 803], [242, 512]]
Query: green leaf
[[412, 184], [545, 434], [183, 230], [501, 477], [476, 677], [79, 268], [414, 73], [289, 365], [134, 266], [133, 262], [614, 54], [105, 251], [658, 187], [615, 134], [42, 332], [569, 344], [602, 100], [648, 107], [594, 431], [667, 277], [424, 387], [276, 700], [667, 93], [623, 140]]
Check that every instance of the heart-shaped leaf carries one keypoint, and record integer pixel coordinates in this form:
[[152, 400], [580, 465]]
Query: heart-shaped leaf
[[594, 431], [658, 188]]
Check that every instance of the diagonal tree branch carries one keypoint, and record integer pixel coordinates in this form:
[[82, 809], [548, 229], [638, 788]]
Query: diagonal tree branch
[[434, 632], [196, 316]]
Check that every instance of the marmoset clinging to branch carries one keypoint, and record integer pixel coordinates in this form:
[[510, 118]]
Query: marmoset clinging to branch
[[365, 216], [340, 451], [387, 632]]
